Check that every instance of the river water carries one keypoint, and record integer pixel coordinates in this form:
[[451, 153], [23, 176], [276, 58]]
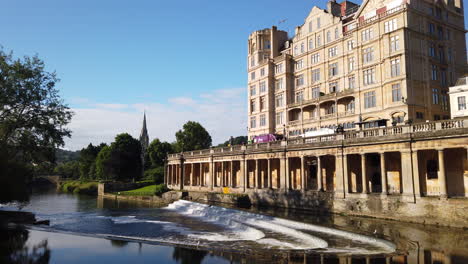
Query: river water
[[86, 229]]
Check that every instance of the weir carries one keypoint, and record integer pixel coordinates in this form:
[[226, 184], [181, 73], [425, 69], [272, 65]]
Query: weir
[[416, 173]]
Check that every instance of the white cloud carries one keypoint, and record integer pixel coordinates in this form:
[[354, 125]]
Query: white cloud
[[223, 113]]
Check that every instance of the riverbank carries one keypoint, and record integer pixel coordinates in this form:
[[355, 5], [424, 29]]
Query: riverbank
[[79, 187]]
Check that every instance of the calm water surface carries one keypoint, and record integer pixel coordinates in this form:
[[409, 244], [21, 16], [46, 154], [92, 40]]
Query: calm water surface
[[88, 230]]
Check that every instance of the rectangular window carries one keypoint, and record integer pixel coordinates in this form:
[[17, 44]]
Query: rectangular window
[[316, 75], [262, 103], [279, 84], [252, 76], [349, 107], [395, 67], [394, 43], [328, 36], [461, 102], [330, 109], [396, 92], [262, 72], [252, 61], [315, 58], [352, 82], [253, 90], [351, 64], [319, 41], [368, 55], [262, 87], [369, 99], [318, 22], [419, 115], [434, 72], [279, 118], [310, 26], [279, 68], [440, 33], [333, 87], [369, 76], [431, 28], [253, 122], [333, 69], [435, 96], [299, 97], [300, 80], [332, 52], [253, 106], [444, 101], [279, 101], [299, 64], [350, 44], [337, 33], [443, 77], [367, 34], [311, 44], [390, 25], [262, 120], [302, 48], [316, 92]]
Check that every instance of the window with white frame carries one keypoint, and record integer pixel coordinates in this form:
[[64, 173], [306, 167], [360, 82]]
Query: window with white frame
[[390, 25], [253, 90], [311, 44], [349, 107], [252, 61], [435, 96], [369, 99], [279, 84], [262, 87], [318, 22], [296, 50], [396, 92], [252, 76], [315, 92], [461, 102], [369, 76], [368, 55], [262, 103], [279, 68], [351, 64], [328, 36], [315, 58], [262, 120], [299, 64], [279, 118], [337, 33], [367, 34], [351, 82], [262, 72], [395, 67], [333, 87], [299, 96], [332, 52], [319, 40], [351, 44], [316, 75], [279, 100], [300, 80], [330, 109], [253, 122], [394, 43], [333, 69], [302, 47]]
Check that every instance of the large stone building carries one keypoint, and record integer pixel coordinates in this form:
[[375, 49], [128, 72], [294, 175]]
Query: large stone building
[[458, 95], [380, 63]]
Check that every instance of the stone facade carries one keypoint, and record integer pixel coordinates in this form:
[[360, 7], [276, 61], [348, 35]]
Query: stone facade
[[458, 98], [386, 61], [410, 172]]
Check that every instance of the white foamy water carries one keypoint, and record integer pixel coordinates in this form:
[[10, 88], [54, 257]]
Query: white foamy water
[[288, 234]]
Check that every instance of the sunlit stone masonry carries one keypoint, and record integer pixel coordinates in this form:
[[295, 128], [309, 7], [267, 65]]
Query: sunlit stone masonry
[[413, 172]]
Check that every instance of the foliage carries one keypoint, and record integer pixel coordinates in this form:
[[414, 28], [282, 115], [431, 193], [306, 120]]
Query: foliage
[[79, 187], [193, 136], [235, 141], [155, 174], [33, 121], [69, 170], [88, 159], [121, 161], [157, 152], [62, 155], [147, 191]]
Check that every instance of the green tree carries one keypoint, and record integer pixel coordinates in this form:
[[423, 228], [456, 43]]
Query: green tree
[[88, 159], [121, 161], [193, 136], [235, 141], [157, 152], [70, 170], [33, 119]]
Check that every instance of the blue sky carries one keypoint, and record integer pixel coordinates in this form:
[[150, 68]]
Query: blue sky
[[179, 60]]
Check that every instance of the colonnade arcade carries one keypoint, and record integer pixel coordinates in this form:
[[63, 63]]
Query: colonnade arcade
[[392, 169]]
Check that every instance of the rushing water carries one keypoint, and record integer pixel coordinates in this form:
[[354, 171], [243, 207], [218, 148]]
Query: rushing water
[[187, 232]]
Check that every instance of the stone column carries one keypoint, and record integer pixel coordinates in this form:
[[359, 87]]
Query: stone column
[[383, 173], [319, 174], [415, 162], [345, 174], [441, 174], [406, 176], [282, 173], [182, 173], [202, 176], [192, 176], [231, 176], [243, 173], [303, 180], [339, 182], [287, 174], [256, 174], [365, 182], [223, 178], [269, 173], [211, 173]]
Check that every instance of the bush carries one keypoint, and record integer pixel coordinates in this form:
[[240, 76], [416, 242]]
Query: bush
[[160, 189], [155, 174], [78, 187]]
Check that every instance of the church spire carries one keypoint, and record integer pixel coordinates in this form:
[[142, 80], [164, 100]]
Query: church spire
[[144, 138]]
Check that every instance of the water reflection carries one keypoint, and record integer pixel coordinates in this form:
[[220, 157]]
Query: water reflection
[[118, 243], [15, 250], [188, 256]]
